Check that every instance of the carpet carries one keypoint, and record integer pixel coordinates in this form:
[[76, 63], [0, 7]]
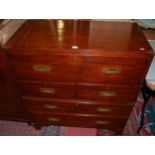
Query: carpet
[[12, 128]]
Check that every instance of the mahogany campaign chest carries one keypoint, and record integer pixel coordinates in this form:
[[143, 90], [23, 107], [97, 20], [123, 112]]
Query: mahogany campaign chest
[[78, 72]]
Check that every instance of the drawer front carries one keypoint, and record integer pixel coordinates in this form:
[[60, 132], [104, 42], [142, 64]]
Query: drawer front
[[44, 58], [72, 106], [111, 70], [46, 71], [51, 90], [78, 120], [76, 58], [53, 68], [111, 74], [108, 93], [66, 68], [119, 60]]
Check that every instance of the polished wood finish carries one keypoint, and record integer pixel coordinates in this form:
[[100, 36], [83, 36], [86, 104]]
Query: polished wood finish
[[4, 103], [44, 89], [76, 106], [99, 121], [78, 72], [103, 92], [65, 34], [92, 69], [10, 105]]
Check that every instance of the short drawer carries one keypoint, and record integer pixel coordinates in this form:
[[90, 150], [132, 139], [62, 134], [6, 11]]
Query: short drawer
[[108, 93], [58, 59], [75, 106], [46, 89], [80, 120], [111, 74], [55, 68], [112, 70], [46, 71]]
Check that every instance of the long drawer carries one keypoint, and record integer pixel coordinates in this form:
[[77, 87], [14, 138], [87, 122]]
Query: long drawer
[[80, 120], [76, 68], [75, 106], [59, 58]]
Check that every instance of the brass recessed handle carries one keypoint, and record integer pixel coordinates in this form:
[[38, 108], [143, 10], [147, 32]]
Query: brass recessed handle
[[101, 122], [49, 106], [101, 109], [107, 93], [53, 119], [42, 68], [47, 90], [111, 70]]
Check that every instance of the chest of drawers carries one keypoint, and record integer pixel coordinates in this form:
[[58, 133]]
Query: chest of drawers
[[78, 72]]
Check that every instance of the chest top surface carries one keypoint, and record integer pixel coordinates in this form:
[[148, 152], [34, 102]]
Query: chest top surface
[[79, 34]]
